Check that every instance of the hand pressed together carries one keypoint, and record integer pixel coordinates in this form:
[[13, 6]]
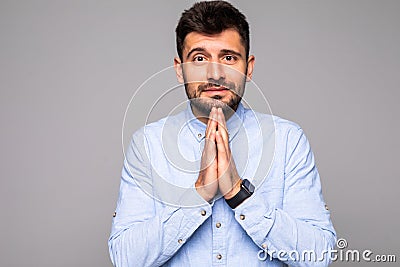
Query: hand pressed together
[[217, 168]]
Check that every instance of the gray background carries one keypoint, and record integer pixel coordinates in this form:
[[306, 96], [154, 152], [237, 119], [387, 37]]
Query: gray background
[[69, 68]]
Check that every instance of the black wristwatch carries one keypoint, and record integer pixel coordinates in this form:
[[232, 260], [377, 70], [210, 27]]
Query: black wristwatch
[[246, 190]]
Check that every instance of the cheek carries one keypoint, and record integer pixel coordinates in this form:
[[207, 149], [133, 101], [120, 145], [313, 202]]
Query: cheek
[[237, 80], [237, 73], [195, 74], [192, 89]]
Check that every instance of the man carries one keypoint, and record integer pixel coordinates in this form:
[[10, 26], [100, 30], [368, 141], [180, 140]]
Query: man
[[250, 196]]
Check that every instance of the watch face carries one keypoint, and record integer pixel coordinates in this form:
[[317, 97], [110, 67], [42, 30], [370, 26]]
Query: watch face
[[249, 186]]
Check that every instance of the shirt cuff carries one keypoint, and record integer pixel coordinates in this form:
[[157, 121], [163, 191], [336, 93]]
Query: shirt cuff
[[181, 221], [256, 217]]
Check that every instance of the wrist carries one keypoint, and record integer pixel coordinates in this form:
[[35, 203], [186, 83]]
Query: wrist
[[235, 189], [246, 190], [204, 194]]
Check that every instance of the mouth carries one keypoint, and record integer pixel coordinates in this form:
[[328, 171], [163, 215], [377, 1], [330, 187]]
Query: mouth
[[215, 92], [216, 89]]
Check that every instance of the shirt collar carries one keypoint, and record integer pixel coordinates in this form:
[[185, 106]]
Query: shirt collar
[[198, 128]]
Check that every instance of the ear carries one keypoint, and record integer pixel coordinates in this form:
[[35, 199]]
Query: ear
[[250, 67], [178, 69]]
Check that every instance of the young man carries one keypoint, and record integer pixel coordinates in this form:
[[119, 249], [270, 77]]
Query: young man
[[251, 187]]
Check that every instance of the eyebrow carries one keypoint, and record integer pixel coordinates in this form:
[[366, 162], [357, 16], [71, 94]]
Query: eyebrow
[[196, 49], [222, 52]]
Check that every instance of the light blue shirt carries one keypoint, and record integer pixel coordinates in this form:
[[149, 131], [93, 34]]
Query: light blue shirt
[[160, 220]]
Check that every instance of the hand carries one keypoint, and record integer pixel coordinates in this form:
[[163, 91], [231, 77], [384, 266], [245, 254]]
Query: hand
[[207, 182], [228, 178], [218, 170]]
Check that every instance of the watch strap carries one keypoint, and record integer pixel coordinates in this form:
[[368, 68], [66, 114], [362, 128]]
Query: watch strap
[[241, 196]]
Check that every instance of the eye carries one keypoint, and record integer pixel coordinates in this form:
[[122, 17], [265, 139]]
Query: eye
[[199, 58], [230, 59]]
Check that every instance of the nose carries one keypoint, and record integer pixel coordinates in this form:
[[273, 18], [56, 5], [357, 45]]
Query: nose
[[215, 72]]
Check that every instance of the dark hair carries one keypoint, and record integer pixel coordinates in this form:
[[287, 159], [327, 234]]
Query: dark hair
[[211, 17]]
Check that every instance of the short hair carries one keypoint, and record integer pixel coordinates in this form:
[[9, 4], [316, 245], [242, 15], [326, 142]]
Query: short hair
[[211, 17]]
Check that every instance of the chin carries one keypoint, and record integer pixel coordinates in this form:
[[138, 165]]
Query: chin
[[205, 104]]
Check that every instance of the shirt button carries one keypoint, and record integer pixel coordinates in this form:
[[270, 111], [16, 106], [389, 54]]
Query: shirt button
[[264, 246], [218, 225], [203, 213], [219, 256], [180, 241], [114, 214], [242, 217], [326, 207], [199, 135]]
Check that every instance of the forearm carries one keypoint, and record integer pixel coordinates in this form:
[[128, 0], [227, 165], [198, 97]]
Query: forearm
[[154, 241], [274, 230], [146, 232]]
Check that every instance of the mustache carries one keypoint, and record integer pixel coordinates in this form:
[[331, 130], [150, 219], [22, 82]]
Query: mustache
[[206, 86]]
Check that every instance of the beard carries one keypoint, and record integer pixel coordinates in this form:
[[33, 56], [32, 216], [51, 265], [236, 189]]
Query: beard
[[203, 105]]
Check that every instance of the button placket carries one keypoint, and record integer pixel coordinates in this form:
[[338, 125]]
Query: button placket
[[218, 233]]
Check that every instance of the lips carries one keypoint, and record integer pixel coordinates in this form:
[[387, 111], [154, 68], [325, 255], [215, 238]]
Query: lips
[[215, 92], [215, 89]]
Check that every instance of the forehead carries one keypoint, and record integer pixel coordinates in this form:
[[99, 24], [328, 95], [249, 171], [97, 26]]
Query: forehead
[[227, 39]]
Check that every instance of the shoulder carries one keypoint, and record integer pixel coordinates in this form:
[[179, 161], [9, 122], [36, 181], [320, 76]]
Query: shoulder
[[280, 125], [286, 126], [286, 134], [154, 130]]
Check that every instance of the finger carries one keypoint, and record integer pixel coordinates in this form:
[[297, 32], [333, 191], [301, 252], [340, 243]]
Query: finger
[[208, 123], [222, 120], [223, 161], [213, 120], [223, 154], [211, 123], [221, 149], [222, 129], [228, 177], [210, 142], [210, 149], [209, 155]]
